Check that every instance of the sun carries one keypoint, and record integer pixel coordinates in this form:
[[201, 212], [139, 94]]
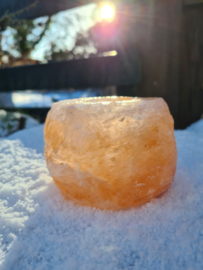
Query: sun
[[107, 12]]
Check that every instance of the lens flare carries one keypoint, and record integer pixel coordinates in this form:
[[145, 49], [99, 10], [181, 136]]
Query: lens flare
[[107, 12]]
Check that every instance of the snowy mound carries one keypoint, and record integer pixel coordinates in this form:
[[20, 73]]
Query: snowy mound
[[197, 127], [39, 229]]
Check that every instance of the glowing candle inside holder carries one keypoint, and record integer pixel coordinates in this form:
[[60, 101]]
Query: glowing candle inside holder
[[111, 152]]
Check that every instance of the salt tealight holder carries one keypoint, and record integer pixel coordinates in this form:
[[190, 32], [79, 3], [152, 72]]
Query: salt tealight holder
[[111, 152]]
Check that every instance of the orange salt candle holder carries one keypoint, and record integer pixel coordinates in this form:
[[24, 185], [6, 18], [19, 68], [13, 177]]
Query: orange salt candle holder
[[111, 152]]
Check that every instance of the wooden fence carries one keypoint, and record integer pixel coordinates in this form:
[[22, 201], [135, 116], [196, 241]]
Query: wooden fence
[[169, 43], [81, 73]]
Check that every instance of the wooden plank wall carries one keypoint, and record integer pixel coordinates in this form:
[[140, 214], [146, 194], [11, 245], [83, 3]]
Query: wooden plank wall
[[191, 69], [82, 73], [170, 42], [158, 39], [192, 2]]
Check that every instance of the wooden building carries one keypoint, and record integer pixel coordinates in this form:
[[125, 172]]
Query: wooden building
[[168, 46]]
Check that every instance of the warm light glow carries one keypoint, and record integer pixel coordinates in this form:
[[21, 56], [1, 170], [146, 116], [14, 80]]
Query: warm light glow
[[107, 12], [110, 53]]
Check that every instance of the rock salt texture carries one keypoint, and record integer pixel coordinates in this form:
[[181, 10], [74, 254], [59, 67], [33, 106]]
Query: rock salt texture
[[41, 230], [112, 152]]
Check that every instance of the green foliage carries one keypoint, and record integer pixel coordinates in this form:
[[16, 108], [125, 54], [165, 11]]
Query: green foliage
[[23, 28], [9, 122], [22, 43]]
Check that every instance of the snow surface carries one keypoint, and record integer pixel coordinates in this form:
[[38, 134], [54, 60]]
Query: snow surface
[[34, 99], [41, 230]]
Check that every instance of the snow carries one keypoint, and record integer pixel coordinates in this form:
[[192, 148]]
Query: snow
[[41, 230], [43, 99], [31, 138], [40, 99], [196, 127]]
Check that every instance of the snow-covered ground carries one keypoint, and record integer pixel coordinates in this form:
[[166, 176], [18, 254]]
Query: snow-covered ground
[[40, 230], [32, 99], [43, 99]]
